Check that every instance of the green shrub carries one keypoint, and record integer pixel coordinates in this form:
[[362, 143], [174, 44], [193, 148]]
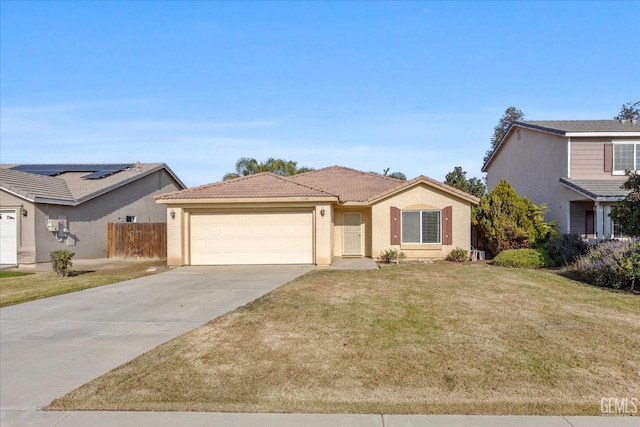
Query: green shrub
[[458, 255], [566, 248], [614, 264], [524, 258], [389, 256], [61, 261]]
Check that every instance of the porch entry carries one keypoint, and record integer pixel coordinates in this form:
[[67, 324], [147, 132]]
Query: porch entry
[[352, 234]]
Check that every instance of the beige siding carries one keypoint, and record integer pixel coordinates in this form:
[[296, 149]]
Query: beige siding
[[421, 197], [532, 163], [587, 158]]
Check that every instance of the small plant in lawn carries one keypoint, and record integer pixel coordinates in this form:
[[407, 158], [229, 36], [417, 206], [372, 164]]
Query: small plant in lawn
[[614, 264], [565, 249], [524, 258], [458, 255], [391, 256], [61, 261]]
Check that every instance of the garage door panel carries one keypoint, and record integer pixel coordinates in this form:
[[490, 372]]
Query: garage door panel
[[252, 238]]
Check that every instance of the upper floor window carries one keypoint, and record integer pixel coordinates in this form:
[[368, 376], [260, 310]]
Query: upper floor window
[[626, 156]]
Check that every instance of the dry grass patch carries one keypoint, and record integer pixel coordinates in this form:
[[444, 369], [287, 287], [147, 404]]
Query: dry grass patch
[[442, 338], [32, 286]]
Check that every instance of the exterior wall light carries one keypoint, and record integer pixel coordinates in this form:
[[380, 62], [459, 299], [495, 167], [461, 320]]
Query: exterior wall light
[[172, 214], [322, 212], [23, 211]]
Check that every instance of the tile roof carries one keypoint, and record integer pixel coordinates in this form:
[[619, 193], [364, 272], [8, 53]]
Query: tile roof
[[350, 185], [578, 126], [601, 190], [70, 188], [345, 184], [31, 186], [262, 185]]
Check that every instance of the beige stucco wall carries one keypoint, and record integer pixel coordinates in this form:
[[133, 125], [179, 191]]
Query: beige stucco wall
[[87, 222], [532, 163], [26, 243], [421, 197]]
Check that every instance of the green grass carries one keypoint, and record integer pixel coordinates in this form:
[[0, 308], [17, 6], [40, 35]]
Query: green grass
[[442, 338], [5, 273], [21, 287]]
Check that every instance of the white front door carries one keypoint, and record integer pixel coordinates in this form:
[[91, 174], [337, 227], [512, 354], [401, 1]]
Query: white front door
[[352, 234], [8, 237]]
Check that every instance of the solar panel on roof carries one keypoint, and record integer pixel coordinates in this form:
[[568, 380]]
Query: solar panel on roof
[[97, 170]]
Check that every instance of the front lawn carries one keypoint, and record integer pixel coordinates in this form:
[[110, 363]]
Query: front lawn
[[433, 339], [19, 287]]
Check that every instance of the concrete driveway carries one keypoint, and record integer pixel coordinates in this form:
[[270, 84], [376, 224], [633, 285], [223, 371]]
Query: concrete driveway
[[51, 346]]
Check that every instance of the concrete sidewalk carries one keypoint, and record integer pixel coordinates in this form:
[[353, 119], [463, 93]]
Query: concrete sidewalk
[[207, 419]]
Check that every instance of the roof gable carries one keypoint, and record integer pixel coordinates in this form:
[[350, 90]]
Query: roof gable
[[571, 128], [259, 186], [71, 187]]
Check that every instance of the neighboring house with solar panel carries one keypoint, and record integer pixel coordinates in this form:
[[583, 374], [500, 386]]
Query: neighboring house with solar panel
[[45, 207], [575, 167]]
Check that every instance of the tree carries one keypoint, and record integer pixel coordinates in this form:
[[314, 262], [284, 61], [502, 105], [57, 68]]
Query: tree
[[510, 222], [249, 166], [630, 110], [395, 175], [458, 179], [510, 115], [626, 213]]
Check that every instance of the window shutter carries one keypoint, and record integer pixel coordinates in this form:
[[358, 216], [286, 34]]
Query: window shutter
[[447, 226], [395, 226], [608, 157]]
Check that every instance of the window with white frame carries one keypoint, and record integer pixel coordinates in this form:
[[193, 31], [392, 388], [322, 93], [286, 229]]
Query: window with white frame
[[626, 156], [421, 226]]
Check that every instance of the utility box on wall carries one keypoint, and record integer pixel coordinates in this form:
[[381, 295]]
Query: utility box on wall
[[52, 224]]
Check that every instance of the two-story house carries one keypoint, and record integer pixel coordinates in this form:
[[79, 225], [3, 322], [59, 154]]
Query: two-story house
[[575, 167]]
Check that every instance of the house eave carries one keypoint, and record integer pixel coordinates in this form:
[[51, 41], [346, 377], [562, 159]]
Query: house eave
[[254, 200], [590, 195]]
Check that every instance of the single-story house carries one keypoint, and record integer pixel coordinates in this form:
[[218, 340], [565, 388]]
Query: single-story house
[[45, 207], [312, 217]]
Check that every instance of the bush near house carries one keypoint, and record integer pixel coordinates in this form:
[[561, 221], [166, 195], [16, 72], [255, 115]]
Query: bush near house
[[565, 249], [61, 261], [510, 222], [524, 258], [390, 256], [458, 255], [613, 264]]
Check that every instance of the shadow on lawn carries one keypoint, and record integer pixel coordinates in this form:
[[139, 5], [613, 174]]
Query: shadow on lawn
[[74, 273]]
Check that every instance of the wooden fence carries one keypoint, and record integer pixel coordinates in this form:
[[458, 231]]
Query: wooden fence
[[137, 240]]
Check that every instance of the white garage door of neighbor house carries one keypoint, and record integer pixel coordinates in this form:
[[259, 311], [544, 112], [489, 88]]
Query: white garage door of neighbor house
[[252, 238], [8, 237]]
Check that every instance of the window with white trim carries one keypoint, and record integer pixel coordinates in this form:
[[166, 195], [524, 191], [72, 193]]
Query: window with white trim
[[626, 156], [421, 226]]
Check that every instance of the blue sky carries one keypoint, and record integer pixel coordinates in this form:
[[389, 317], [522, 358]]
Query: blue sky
[[413, 86]]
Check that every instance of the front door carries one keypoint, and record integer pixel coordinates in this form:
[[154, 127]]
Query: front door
[[352, 234]]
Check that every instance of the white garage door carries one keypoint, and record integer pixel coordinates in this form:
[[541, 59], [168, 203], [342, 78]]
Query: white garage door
[[8, 237], [252, 238]]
